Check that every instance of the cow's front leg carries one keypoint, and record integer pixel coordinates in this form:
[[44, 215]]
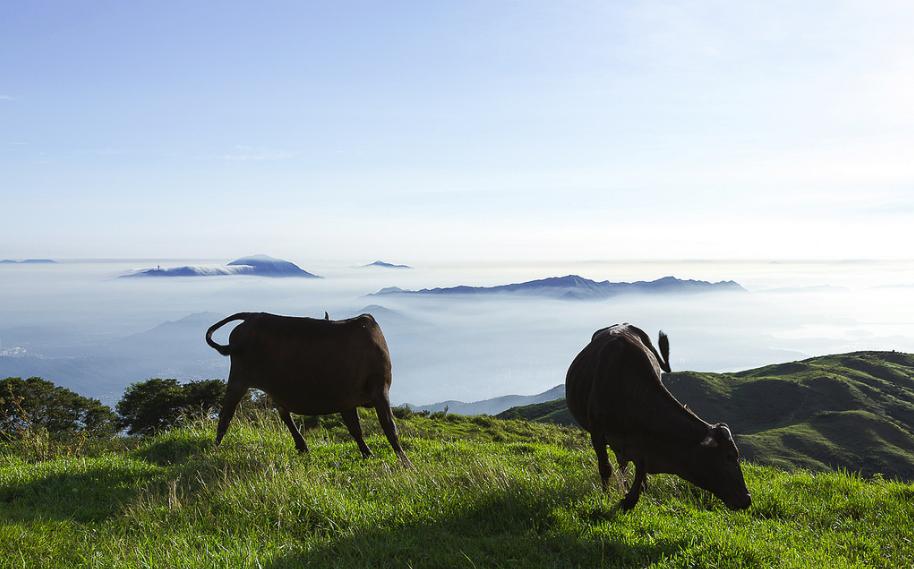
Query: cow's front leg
[[622, 472], [300, 445], [599, 446], [351, 418], [634, 493], [233, 394]]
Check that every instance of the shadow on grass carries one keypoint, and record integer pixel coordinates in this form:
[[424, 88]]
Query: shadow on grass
[[98, 490], [537, 531], [173, 451], [88, 495]]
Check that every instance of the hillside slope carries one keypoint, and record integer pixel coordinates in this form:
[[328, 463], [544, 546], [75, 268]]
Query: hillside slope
[[492, 406], [483, 493], [853, 411]]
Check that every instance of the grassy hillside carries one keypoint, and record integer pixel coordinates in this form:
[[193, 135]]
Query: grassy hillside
[[555, 412], [853, 411], [483, 493]]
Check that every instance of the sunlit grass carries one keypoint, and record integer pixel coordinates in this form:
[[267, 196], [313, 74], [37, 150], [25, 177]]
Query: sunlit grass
[[483, 493]]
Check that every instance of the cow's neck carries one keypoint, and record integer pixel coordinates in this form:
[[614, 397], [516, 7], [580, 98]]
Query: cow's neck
[[678, 422]]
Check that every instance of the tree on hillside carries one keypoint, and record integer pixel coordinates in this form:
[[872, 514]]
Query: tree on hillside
[[150, 405], [158, 404], [38, 403]]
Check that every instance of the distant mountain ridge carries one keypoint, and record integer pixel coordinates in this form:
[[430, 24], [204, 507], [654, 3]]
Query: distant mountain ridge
[[492, 406], [575, 287], [854, 411], [255, 265], [28, 261]]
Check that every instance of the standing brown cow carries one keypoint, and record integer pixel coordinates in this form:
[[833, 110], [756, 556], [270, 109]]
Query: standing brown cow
[[310, 366], [613, 390]]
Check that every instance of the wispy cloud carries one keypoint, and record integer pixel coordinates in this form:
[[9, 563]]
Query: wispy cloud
[[243, 153]]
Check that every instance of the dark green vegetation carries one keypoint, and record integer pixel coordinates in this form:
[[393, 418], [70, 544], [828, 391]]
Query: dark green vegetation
[[146, 407], [156, 404], [555, 412], [483, 493], [853, 411], [35, 403]]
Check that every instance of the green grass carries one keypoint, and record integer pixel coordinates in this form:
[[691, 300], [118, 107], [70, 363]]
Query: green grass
[[483, 493], [853, 411]]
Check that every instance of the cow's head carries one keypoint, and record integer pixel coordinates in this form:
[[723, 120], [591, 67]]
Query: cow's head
[[715, 467]]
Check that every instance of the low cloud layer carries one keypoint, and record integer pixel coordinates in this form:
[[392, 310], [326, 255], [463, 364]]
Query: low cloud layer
[[79, 325]]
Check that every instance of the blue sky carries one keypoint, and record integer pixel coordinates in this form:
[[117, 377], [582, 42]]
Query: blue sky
[[457, 131]]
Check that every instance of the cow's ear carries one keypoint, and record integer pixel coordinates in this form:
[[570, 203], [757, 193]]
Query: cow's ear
[[725, 430], [709, 441]]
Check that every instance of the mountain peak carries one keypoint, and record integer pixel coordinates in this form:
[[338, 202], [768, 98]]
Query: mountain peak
[[256, 265], [386, 265]]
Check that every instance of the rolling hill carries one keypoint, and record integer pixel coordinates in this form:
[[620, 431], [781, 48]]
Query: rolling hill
[[852, 411]]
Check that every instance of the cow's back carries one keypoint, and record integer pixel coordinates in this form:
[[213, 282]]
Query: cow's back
[[601, 378], [312, 365]]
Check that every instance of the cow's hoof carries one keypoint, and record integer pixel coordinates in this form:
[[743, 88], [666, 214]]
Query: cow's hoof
[[627, 504]]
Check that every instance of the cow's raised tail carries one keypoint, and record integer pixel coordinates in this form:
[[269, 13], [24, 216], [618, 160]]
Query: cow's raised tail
[[664, 343], [227, 349]]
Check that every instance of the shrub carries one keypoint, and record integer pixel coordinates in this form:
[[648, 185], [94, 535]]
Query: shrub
[[156, 404], [35, 403], [402, 412]]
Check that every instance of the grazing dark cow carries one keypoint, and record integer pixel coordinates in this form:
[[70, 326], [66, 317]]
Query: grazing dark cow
[[310, 366], [613, 390]]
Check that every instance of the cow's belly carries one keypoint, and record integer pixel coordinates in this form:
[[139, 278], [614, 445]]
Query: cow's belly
[[316, 378], [320, 396]]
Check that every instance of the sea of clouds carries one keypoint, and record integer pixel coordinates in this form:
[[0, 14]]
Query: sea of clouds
[[79, 325]]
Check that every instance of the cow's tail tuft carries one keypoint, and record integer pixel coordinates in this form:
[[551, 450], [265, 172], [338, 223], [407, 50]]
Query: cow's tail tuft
[[227, 349], [664, 342]]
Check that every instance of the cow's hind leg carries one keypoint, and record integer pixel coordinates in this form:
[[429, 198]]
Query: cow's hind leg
[[351, 418], [233, 394], [300, 445], [386, 418], [634, 493], [599, 446]]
